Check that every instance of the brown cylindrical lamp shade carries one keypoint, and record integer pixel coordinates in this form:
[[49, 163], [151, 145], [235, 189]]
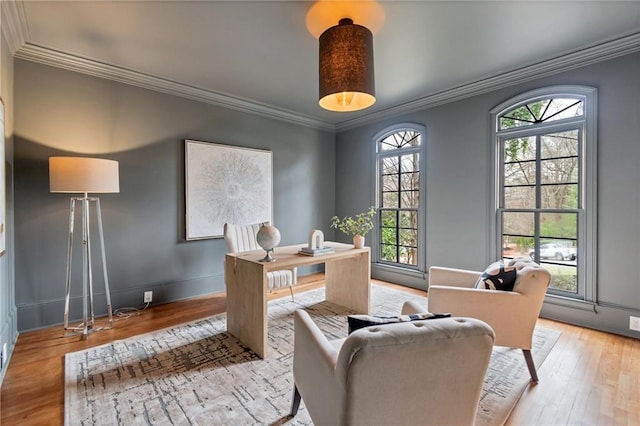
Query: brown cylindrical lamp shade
[[83, 175], [346, 67]]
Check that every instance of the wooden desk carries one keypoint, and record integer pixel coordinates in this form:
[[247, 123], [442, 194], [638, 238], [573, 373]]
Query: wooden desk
[[347, 275]]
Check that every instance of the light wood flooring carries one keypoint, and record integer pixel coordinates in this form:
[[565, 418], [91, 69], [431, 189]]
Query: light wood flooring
[[589, 378]]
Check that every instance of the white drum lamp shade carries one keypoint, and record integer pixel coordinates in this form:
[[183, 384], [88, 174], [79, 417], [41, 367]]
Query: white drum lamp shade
[[83, 175]]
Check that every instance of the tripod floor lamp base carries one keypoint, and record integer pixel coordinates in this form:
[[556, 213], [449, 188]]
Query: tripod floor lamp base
[[84, 175], [88, 324]]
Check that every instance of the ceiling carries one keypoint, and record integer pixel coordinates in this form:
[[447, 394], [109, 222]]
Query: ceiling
[[260, 56]]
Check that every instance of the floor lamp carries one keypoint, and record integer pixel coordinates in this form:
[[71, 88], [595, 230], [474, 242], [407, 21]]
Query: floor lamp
[[84, 175]]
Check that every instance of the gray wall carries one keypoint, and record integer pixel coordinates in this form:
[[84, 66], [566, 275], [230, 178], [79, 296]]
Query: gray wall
[[459, 184], [8, 317], [60, 112]]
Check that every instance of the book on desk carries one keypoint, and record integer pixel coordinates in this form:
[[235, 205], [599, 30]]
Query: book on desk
[[316, 251]]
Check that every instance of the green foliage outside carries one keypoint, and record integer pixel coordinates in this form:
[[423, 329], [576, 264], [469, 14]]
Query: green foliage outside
[[563, 278], [399, 236], [564, 282], [515, 147], [389, 236], [524, 243], [557, 226]]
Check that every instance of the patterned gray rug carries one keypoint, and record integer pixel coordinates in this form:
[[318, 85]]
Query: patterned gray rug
[[197, 374]]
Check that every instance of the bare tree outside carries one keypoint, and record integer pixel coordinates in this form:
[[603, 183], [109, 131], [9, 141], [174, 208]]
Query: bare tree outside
[[399, 197], [540, 189]]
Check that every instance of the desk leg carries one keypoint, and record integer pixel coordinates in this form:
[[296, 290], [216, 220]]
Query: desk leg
[[348, 282], [247, 303]]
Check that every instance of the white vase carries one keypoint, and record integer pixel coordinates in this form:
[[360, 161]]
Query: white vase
[[358, 241]]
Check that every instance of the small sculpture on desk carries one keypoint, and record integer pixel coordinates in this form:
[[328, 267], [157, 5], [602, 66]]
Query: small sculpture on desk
[[316, 244], [268, 238], [316, 239]]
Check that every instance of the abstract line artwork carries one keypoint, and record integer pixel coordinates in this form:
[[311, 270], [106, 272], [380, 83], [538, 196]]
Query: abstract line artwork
[[225, 184]]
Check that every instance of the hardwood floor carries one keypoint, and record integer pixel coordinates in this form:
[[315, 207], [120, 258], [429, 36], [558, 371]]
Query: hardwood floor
[[589, 378]]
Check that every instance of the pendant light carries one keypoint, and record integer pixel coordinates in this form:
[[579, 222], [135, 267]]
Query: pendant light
[[346, 67]]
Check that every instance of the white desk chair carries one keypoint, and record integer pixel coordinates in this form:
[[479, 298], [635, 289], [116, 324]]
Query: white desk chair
[[241, 238]]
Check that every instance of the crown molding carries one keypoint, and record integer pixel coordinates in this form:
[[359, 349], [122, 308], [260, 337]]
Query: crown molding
[[14, 24], [16, 31], [45, 55], [610, 49]]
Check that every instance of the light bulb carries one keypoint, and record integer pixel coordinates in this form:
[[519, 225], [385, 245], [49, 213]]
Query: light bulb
[[344, 98]]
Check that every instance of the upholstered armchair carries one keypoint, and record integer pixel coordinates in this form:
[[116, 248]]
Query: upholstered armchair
[[511, 314], [408, 373], [243, 238]]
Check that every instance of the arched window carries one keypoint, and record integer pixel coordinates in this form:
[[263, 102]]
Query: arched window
[[400, 196], [546, 185]]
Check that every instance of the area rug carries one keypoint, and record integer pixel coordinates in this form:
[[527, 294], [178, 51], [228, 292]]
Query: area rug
[[197, 374]]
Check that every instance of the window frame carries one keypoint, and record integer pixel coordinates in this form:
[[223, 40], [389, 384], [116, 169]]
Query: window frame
[[587, 211], [414, 271]]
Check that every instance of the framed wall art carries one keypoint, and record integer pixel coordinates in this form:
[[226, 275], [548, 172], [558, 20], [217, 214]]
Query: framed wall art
[[223, 184]]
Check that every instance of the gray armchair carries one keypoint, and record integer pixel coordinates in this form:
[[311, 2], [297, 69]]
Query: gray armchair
[[420, 372], [243, 238]]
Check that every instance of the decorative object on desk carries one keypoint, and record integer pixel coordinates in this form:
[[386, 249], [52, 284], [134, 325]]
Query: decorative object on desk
[[316, 239], [84, 175], [316, 252], [358, 227], [243, 237], [268, 238], [225, 184], [316, 245]]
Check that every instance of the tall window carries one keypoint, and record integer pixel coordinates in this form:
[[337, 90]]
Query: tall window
[[544, 184], [399, 189]]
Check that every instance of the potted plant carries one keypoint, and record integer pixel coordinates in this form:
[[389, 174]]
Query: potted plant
[[357, 227]]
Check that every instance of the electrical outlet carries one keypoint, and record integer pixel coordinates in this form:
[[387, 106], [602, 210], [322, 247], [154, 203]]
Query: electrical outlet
[[634, 323], [148, 296]]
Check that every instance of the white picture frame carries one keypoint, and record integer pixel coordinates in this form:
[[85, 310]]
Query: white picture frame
[[225, 184]]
